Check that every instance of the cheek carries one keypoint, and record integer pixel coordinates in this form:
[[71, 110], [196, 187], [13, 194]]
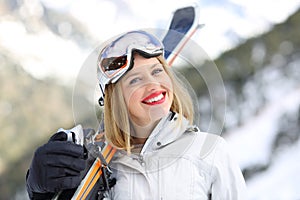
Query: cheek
[[167, 83], [132, 97], [128, 95]]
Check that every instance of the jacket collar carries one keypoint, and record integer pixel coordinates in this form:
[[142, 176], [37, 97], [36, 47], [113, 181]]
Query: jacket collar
[[167, 130]]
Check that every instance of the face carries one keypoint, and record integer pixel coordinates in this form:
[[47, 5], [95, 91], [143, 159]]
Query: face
[[147, 91]]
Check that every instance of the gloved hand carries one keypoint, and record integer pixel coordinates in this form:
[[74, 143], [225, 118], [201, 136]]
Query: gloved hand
[[55, 166]]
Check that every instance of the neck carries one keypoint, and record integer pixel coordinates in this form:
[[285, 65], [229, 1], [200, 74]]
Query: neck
[[141, 133]]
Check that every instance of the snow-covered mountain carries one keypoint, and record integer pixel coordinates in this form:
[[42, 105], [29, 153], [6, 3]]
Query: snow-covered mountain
[[261, 77]]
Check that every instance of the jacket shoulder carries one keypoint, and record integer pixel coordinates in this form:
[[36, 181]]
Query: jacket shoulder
[[205, 144]]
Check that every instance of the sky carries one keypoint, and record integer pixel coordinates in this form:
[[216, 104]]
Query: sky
[[227, 23]]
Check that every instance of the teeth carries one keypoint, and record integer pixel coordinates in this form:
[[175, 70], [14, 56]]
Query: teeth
[[159, 97]]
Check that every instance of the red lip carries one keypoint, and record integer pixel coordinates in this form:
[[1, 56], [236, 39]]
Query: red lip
[[155, 94]]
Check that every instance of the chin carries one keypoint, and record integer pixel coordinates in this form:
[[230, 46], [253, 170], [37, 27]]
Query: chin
[[158, 113]]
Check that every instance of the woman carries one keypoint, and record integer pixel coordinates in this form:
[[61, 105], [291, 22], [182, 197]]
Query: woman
[[148, 116]]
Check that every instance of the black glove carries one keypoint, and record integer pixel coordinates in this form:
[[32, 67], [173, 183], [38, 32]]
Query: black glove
[[56, 166]]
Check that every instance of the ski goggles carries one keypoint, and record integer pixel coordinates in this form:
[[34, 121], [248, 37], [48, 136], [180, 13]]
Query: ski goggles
[[117, 57]]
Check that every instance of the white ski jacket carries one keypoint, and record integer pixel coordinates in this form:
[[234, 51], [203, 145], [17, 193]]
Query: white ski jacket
[[178, 162]]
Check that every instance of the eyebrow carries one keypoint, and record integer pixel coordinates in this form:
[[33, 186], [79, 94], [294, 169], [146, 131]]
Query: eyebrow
[[134, 74]]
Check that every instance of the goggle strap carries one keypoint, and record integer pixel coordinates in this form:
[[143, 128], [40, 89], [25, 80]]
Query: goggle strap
[[147, 55], [101, 99]]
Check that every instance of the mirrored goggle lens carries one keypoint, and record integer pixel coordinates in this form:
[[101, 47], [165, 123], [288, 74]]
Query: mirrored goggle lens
[[111, 66]]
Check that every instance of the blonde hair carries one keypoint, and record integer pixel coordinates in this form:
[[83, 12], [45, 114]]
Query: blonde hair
[[116, 116]]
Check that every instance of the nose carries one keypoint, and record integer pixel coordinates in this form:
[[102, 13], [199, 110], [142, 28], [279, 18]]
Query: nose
[[151, 83]]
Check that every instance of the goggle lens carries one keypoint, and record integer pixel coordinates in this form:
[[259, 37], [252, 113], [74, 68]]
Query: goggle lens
[[112, 65]]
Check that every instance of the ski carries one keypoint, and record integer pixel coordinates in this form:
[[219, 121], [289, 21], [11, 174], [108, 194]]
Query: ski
[[95, 172], [184, 23]]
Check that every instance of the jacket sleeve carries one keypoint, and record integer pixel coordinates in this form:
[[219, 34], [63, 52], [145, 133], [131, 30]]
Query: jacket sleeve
[[227, 179]]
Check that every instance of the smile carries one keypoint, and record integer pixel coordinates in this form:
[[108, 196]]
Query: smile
[[155, 98]]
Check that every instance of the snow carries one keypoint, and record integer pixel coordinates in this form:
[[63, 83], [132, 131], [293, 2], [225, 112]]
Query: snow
[[252, 143], [103, 19], [281, 181], [45, 54], [42, 54]]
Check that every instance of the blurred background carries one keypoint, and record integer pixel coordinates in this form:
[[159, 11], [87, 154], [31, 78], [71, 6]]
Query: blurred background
[[255, 45]]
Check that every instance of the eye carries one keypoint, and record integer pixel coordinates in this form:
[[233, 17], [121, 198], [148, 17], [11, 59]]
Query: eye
[[134, 80], [157, 70]]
